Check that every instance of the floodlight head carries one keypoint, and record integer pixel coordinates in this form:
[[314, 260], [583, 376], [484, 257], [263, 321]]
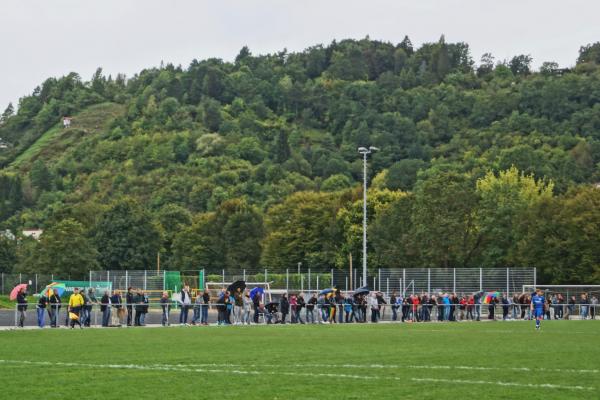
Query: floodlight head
[[373, 148], [362, 150]]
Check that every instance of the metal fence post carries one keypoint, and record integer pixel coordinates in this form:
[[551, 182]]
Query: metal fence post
[[317, 282], [403, 280], [36, 285], [287, 280], [309, 279], [453, 280], [507, 283], [346, 283], [302, 283], [332, 283], [127, 279], [387, 286], [534, 277], [244, 274], [20, 278], [480, 279], [108, 278], [145, 279], [379, 278], [164, 274], [428, 280]]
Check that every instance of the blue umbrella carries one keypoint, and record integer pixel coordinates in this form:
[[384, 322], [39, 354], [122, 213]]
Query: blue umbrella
[[256, 290], [362, 290], [325, 291]]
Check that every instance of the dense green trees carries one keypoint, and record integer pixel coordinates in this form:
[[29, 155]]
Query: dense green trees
[[63, 249], [127, 237], [8, 254], [253, 162], [301, 229], [505, 202], [227, 238]]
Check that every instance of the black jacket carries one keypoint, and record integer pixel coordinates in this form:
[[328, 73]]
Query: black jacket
[[284, 306], [55, 302], [42, 302], [129, 299], [116, 301], [104, 302], [139, 303], [22, 302]]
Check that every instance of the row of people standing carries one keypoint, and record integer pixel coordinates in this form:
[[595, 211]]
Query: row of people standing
[[200, 306], [331, 307], [81, 304], [51, 303]]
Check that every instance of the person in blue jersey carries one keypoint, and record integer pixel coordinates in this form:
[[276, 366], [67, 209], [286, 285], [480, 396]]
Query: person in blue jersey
[[538, 305]]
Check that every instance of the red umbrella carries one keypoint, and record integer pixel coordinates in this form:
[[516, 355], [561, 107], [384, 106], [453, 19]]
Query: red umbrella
[[15, 291]]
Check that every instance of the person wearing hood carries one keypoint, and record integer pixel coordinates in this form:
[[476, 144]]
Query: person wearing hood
[[54, 307], [41, 310], [310, 309], [105, 308], [284, 307]]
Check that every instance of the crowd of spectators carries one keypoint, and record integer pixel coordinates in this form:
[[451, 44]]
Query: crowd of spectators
[[331, 306]]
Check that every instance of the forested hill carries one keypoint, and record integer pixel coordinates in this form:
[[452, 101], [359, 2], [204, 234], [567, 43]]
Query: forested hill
[[254, 163]]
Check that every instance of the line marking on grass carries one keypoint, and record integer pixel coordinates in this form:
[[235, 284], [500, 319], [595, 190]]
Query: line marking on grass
[[461, 367], [184, 368], [177, 368], [500, 383], [406, 366]]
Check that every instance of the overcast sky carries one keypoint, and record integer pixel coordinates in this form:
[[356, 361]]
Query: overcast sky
[[44, 38]]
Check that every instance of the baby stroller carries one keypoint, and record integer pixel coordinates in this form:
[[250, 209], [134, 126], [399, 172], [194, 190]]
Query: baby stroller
[[272, 314]]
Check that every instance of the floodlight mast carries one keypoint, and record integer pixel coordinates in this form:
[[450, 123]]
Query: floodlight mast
[[364, 151]]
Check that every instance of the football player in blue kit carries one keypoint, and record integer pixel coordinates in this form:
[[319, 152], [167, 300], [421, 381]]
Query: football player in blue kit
[[538, 304]]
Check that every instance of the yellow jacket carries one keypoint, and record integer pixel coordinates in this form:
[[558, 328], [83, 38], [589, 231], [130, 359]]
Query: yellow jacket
[[76, 300]]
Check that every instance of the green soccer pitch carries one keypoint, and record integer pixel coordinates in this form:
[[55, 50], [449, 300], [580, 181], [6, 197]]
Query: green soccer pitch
[[488, 360]]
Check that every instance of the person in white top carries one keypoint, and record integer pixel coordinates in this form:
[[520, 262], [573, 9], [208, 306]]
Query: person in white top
[[185, 302]]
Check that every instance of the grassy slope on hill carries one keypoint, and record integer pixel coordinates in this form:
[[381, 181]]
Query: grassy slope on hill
[[90, 121]]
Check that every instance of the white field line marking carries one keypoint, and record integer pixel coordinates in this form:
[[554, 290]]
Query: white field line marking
[[168, 367], [500, 383], [392, 366], [451, 367]]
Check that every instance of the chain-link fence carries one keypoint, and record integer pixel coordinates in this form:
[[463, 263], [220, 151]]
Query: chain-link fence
[[36, 282], [453, 280], [148, 280], [399, 280]]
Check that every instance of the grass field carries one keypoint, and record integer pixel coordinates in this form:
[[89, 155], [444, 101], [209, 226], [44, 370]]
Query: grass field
[[388, 361]]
